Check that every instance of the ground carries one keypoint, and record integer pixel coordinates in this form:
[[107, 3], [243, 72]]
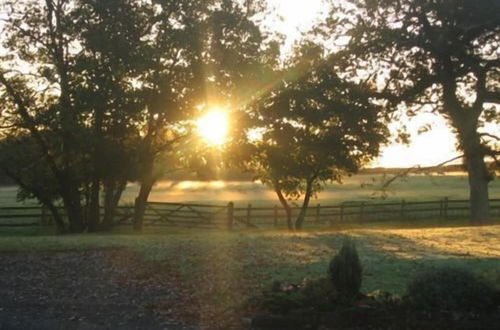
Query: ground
[[204, 277], [86, 290]]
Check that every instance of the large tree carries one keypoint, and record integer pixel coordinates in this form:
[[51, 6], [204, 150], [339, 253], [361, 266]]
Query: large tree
[[37, 80], [108, 63], [197, 55], [68, 87], [313, 129], [428, 55]]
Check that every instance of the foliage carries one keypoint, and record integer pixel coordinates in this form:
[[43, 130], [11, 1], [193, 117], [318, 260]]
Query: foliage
[[278, 299], [105, 90], [427, 56], [21, 159], [318, 294], [313, 128], [452, 289], [345, 271]]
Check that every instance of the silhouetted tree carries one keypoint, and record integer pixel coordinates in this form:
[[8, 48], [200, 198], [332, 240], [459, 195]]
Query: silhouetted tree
[[68, 82], [314, 129], [37, 88], [198, 54], [420, 55]]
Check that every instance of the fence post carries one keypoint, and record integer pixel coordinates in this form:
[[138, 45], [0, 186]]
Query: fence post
[[403, 203], [362, 211], [445, 208], [440, 209], [249, 214], [318, 210], [275, 215], [230, 215]]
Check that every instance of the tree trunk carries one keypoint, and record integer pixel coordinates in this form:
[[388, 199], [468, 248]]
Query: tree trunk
[[94, 214], [112, 195], [479, 178], [61, 227], [141, 201], [285, 205], [466, 123], [73, 207], [302, 215]]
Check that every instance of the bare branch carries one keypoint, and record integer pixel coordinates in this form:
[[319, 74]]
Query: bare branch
[[490, 135]]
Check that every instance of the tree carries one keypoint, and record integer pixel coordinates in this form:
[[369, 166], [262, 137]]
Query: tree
[[314, 129], [67, 88], [193, 57], [38, 97], [108, 62], [429, 55]]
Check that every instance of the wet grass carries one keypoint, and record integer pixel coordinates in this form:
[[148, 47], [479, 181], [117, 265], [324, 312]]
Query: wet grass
[[218, 270], [253, 259]]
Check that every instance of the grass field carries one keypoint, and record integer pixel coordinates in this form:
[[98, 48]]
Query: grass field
[[413, 188], [221, 270], [218, 271]]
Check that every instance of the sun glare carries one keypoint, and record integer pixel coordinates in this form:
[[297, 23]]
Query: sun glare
[[213, 127]]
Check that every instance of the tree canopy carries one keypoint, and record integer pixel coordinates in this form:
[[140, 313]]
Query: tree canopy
[[437, 56], [314, 128]]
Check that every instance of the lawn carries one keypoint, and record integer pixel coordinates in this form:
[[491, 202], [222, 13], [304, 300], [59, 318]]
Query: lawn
[[219, 270]]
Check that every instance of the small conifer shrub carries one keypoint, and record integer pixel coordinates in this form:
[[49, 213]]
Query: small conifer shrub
[[345, 271]]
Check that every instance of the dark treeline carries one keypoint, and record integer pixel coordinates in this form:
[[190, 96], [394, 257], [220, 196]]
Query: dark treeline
[[96, 94]]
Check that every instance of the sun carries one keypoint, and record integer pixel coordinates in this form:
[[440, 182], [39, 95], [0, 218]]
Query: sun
[[213, 127]]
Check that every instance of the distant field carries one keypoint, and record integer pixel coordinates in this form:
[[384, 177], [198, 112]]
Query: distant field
[[219, 192]]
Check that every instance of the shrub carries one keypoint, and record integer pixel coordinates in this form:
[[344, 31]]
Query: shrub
[[316, 294], [319, 294], [345, 271], [277, 299], [278, 302], [450, 288]]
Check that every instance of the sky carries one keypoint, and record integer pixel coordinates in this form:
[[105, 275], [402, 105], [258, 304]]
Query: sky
[[427, 149]]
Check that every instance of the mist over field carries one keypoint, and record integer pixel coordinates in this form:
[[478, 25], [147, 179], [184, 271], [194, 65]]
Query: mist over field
[[356, 188], [361, 187]]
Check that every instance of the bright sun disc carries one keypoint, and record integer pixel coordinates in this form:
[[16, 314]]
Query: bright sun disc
[[213, 127]]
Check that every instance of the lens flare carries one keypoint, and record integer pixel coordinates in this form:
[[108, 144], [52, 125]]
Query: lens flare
[[213, 127]]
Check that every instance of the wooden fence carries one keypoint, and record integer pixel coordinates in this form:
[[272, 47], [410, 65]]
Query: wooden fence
[[249, 216]]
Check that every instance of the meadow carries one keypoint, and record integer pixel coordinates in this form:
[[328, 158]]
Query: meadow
[[361, 187]]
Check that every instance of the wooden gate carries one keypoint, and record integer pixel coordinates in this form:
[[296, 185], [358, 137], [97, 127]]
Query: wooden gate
[[185, 215]]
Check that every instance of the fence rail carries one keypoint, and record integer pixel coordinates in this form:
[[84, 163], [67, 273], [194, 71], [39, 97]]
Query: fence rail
[[229, 216]]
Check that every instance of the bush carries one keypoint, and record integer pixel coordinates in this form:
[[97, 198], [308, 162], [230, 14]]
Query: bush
[[319, 294], [277, 298], [452, 289], [345, 271], [314, 294]]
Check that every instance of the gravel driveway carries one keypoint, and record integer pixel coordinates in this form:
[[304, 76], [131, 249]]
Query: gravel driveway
[[105, 289]]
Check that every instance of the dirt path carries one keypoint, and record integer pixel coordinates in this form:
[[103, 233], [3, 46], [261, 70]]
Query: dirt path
[[106, 289]]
